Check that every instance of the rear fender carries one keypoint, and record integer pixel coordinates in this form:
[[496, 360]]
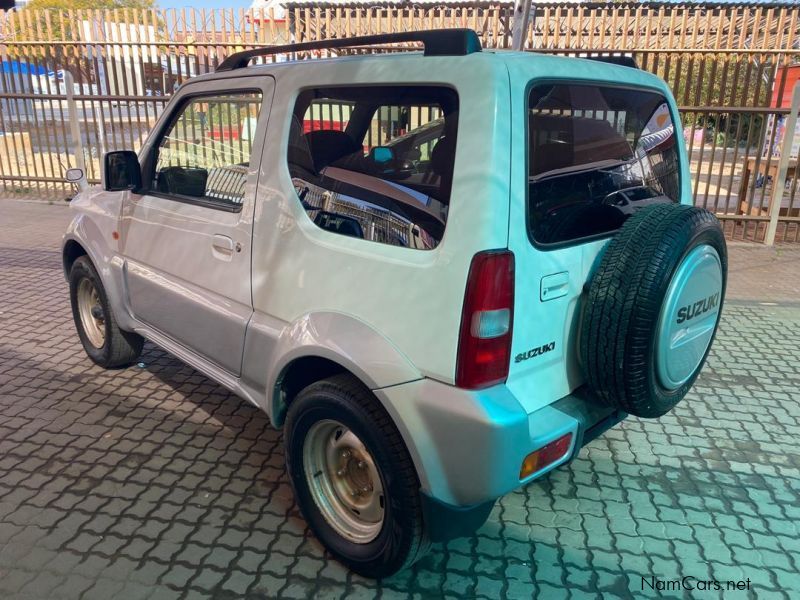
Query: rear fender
[[340, 338]]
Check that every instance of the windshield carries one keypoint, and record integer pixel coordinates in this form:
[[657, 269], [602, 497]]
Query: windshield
[[596, 155]]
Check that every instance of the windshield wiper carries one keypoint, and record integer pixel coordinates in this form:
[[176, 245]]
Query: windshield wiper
[[600, 165]]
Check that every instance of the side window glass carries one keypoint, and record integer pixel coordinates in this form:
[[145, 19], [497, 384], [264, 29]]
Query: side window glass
[[376, 163], [205, 153]]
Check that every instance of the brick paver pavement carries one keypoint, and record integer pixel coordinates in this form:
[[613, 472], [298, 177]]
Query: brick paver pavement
[[154, 482]]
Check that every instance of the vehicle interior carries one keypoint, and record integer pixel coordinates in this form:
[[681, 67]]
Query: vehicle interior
[[205, 153], [377, 158], [348, 144], [588, 170]]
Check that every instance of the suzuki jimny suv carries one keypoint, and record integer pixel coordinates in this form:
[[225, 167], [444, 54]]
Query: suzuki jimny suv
[[441, 272]]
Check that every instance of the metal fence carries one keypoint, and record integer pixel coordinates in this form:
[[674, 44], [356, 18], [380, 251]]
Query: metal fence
[[731, 69]]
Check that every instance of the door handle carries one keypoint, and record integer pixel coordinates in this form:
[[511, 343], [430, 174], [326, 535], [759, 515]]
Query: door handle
[[222, 246], [222, 243], [554, 286]]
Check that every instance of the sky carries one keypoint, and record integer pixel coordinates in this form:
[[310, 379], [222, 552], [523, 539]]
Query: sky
[[207, 4]]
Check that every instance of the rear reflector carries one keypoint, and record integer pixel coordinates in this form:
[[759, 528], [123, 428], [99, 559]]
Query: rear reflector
[[538, 460], [484, 345]]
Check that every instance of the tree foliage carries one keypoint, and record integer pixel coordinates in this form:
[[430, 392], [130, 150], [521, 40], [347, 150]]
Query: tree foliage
[[87, 4]]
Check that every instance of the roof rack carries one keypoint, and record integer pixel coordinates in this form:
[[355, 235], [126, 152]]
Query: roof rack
[[437, 42], [622, 61]]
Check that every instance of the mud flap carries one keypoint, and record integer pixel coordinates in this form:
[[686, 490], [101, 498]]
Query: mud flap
[[444, 522]]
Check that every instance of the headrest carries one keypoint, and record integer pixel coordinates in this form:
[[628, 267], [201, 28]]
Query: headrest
[[327, 146], [560, 141], [442, 155], [299, 155]]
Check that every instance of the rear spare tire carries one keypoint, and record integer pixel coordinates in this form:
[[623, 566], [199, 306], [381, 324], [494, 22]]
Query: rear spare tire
[[653, 308]]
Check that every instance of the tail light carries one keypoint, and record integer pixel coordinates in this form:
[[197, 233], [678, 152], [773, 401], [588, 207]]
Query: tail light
[[484, 345]]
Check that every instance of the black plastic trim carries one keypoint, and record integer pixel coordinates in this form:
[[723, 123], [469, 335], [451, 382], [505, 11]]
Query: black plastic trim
[[622, 61], [445, 522], [196, 200], [594, 418], [599, 428]]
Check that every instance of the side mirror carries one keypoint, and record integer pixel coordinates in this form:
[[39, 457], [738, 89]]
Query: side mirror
[[121, 171], [73, 175], [381, 154], [78, 177]]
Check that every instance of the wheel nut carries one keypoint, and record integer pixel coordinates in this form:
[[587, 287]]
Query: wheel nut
[[345, 453], [361, 464], [365, 489], [340, 472]]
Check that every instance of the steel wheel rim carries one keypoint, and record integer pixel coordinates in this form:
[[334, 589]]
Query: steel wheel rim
[[344, 481], [91, 313]]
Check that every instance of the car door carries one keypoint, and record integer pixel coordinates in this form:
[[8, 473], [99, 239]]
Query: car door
[[583, 149], [186, 238]]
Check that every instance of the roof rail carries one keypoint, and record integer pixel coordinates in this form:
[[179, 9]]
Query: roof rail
[[437, 42], [623, 61]]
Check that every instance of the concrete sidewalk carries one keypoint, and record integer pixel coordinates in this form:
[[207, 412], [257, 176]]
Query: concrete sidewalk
[[154, 482]]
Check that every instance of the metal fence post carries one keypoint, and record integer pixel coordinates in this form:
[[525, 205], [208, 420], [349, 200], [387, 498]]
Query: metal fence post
[[74, 127], [519, 27], [779, 183]]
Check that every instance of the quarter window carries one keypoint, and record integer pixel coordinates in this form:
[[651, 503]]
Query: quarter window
[[205, 154], [596, 155], [376, 162]]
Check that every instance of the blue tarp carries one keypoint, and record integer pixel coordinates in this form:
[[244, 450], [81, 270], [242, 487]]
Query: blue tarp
[[22, 68]]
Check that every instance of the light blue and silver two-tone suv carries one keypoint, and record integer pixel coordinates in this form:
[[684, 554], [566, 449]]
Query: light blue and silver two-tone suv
[[442, 272]]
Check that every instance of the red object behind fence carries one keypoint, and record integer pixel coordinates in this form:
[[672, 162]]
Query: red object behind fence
[[792, 75]]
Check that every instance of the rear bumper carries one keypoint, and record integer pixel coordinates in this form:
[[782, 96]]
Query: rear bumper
[[468, 446]]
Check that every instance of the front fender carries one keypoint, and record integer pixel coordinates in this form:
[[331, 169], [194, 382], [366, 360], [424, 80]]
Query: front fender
[[93, 227]]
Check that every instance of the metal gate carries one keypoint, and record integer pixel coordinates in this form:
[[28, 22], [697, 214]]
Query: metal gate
[[731, 68]]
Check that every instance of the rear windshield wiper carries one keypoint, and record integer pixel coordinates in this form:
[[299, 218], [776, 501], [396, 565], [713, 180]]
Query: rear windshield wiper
[[599, 165]]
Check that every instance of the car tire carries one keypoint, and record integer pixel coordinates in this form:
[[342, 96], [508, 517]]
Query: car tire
[[373, 547], [638, 351], [104, 342]]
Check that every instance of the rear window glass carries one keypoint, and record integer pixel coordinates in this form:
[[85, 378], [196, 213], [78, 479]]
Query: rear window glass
[[376, 162], [596, 155]]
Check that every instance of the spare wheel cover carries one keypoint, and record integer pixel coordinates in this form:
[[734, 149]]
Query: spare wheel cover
[[688, 316]]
